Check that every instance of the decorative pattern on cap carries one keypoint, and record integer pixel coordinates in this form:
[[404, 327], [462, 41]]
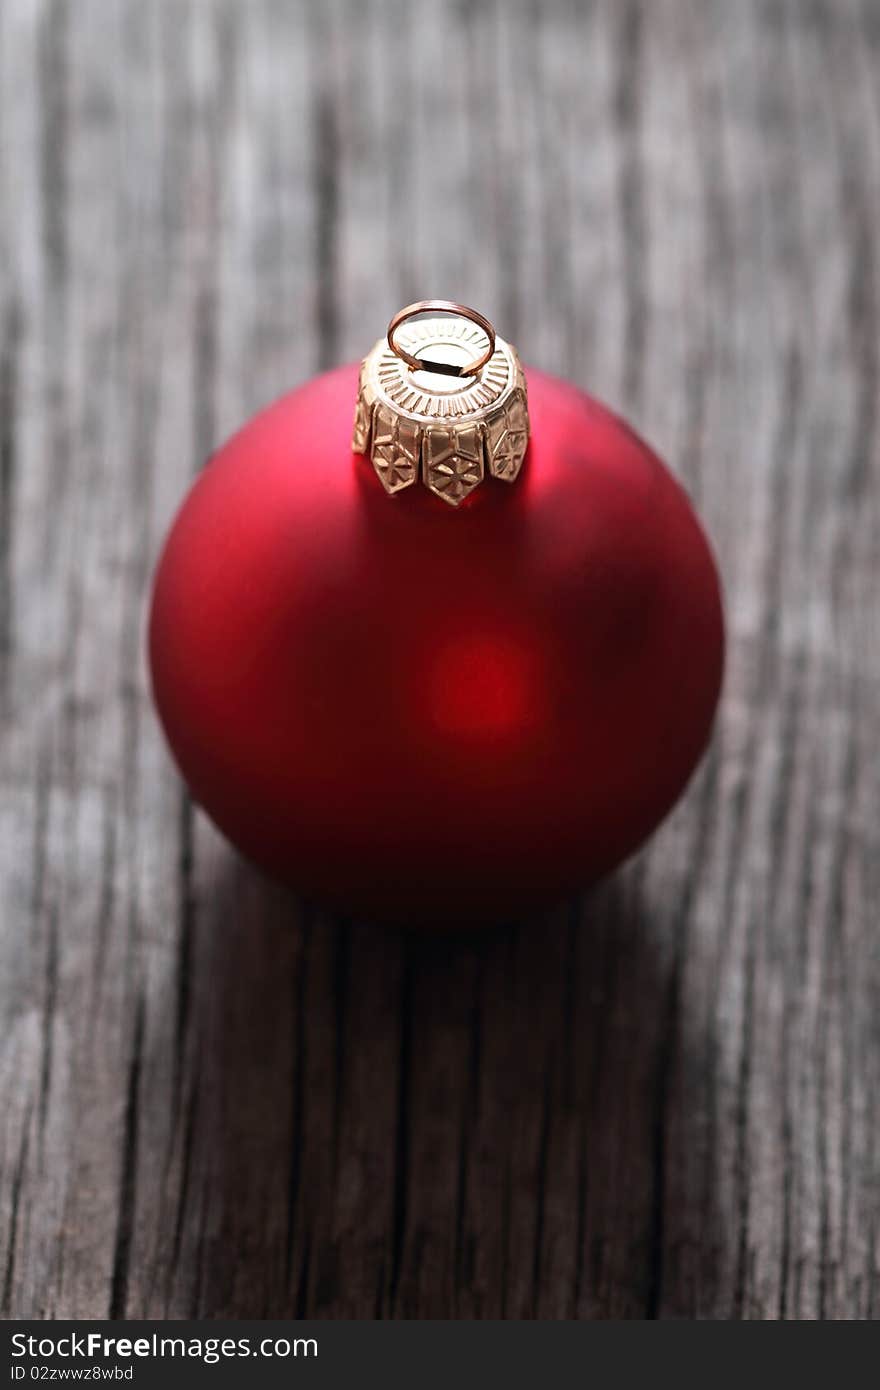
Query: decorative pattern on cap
[[441, 422]]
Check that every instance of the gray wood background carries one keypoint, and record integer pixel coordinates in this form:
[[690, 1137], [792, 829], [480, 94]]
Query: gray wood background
[[662, 1100]]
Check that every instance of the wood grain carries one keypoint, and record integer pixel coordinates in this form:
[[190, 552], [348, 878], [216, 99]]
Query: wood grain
[[659, 1101]]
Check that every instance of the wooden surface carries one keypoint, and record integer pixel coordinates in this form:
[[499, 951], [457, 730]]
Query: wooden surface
[[662, 1100]]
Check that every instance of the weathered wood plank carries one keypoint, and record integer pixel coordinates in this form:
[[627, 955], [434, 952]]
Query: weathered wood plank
[[659, 1101]]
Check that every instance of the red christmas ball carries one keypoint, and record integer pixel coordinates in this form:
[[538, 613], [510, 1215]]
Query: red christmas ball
[[419, 712]]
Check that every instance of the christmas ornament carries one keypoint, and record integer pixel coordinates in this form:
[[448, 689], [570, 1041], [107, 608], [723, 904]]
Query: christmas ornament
[[454, 668]]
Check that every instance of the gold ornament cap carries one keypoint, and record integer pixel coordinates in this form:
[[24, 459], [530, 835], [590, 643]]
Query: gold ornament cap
[[443, 399]]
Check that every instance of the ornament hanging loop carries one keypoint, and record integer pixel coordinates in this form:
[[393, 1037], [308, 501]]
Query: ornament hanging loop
[[441, 306]]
